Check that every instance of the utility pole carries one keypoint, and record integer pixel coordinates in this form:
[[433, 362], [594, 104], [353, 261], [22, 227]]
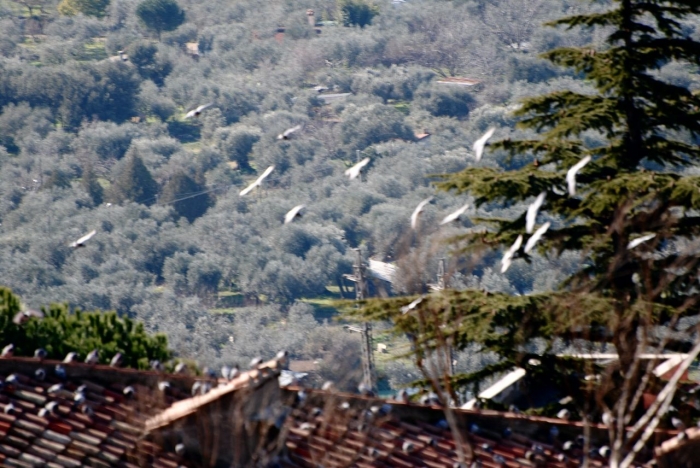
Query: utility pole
[[441, 274], [440, 286], [358, 277]]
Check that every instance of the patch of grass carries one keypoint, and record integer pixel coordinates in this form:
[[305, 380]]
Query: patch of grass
[[94, 51], [193, 147], [229, 293], [323, 307]]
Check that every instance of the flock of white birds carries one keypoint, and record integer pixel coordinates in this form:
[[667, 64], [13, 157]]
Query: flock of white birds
[[478, 148]]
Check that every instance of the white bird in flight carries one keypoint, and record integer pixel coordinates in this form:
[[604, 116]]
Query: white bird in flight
[[640, 240], [508, 256], [285, 135], [417, 212], [407, 308], [258, 181], [355, 170], [479, 144], [571, 174], [81, 242], [196, 112], [536, 236], [532, 210], [293, 214], [454, 216]]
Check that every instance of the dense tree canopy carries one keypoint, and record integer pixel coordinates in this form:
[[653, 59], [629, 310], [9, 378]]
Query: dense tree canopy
[[160, 15]]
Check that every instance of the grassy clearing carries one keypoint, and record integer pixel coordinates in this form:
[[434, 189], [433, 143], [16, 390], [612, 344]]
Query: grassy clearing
[[94, 51]]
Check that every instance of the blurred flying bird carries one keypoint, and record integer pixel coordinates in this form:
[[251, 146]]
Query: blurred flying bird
[[71, 357], [287, 133], [564, 414], [129, 391], [407, 308], [198, 111], [536, 237], [40, 374], [571, 174], [40, 353], [355, 170], [180, 368], [257, 182], [532, 210], [417, 212], [293, 214], [454, 216], [508, 256], [163, 386], [81, 242], [479, 144], [23, 317], [640, 240]]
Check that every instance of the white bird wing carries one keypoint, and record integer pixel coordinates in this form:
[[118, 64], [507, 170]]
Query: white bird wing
[[265, 174], [532, 210], [190, 114], [417, 211], [257, 182], [571, 174], [85, 238], [291, 214], [289, 131], [204, 106], [516, 245], [536, 236], [508, 256], [479, 144], [248, 189], [639, 241], [454, 215], [411, 306], [354, 171]]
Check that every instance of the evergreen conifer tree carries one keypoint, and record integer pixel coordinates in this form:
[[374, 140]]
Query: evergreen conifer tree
[[92, 186], [634, 185], [134, 182]]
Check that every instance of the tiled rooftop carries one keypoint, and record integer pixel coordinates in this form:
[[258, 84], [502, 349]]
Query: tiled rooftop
[[87, 419], [333, 430], [84, 419]]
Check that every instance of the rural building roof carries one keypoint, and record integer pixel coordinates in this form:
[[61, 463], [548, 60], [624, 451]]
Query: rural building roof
[[251, 421], [102, 427]]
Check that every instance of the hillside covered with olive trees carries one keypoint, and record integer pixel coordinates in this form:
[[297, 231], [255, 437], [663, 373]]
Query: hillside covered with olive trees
[[93, 136]]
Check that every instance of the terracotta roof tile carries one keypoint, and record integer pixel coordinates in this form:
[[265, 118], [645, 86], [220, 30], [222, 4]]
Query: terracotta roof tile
[[69, 437]]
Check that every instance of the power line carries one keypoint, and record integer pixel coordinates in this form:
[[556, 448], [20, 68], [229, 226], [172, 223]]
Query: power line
[[186, 195]]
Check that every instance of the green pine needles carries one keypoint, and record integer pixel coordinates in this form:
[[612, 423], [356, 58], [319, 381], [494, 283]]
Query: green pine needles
[[62, 331], [634, 185]]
